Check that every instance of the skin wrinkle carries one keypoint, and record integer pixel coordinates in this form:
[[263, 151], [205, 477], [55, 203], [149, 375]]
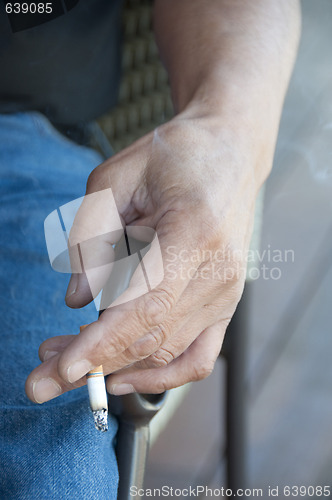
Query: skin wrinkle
[[172, 334], [167, 378], [159, 359]]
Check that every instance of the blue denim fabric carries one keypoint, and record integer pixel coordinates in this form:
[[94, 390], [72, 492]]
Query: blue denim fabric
[[47, 451]]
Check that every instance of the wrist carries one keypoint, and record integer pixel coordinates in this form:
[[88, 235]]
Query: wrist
[[246, 127]]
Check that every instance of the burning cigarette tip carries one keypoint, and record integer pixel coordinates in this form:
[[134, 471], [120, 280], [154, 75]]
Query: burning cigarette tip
[[100, 418]]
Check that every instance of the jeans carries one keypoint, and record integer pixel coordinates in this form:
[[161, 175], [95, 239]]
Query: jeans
[[47, 451]]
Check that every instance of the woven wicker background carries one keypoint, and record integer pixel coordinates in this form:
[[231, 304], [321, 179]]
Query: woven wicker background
[[144, 100]]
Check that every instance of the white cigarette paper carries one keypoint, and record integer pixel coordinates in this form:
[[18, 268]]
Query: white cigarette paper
[[97, 389]]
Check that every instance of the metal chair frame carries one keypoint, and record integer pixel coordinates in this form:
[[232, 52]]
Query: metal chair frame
[[135, 411]]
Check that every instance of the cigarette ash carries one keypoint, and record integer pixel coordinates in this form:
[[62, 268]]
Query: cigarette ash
[[100, 418]]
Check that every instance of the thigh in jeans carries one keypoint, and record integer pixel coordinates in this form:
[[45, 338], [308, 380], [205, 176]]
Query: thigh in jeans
[[51, 450]]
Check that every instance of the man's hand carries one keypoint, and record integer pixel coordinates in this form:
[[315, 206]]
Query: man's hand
[[197, 191], [194, 181]]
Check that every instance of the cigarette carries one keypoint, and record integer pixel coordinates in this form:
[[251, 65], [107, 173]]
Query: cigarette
[[97, 396]]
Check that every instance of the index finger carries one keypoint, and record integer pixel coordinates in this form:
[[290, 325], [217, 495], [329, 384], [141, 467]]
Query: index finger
[[122, 325]]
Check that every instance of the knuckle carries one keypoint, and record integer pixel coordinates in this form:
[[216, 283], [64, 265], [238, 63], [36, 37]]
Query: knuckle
[[157, 305], [202, 370], [127, 357], [160, 358], [136, 351], [149, 343], [110, 344], [160, 386], [159, 334]]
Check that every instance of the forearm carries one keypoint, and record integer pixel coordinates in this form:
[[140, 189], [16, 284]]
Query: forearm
[[230, 59]]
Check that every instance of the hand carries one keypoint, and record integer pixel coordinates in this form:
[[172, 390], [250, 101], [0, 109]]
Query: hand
[[196, 187]]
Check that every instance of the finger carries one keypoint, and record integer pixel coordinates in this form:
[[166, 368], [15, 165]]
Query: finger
[[194, 364], [44, 383], [205, 301], [53, 346], [183, 339], [96, 227], [152, 319], [120, 326], [99, 223], [47, 371]]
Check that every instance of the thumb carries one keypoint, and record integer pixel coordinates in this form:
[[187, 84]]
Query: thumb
[[99, 222], [96, 228]]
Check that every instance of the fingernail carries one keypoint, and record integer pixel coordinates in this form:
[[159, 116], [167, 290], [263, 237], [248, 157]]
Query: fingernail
[[72, 286], [49, 354], [120, 389], [45, 389], [78, 369]]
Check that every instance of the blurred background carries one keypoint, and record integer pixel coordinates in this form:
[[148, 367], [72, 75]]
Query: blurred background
[[289, 368]]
